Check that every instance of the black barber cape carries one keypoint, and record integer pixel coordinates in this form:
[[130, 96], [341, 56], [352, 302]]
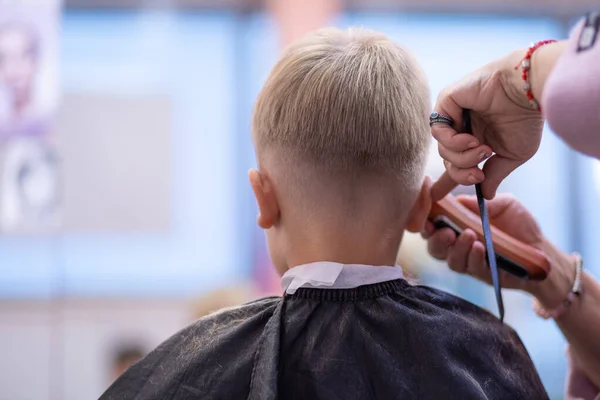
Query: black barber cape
[[388, 340]]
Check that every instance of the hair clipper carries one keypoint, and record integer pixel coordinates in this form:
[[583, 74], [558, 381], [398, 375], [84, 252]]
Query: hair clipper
[[512, 256]]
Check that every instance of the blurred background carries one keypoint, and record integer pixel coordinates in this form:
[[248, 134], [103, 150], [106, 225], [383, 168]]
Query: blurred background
[[125, 211]]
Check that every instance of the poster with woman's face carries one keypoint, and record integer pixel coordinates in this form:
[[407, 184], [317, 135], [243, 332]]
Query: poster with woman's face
[[29, 87], [29, 94]]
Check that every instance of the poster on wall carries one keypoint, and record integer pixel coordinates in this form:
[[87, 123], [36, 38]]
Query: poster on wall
[[29, 98]]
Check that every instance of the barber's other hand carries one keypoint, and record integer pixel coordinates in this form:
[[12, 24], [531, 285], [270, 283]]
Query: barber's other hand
[[503, 125], [466, 255]]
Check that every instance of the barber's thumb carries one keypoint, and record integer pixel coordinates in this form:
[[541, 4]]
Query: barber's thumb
[[496, 169], [470, 202], [495, 207]]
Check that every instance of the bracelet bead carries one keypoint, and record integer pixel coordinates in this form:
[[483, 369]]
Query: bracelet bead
[[525, 65]]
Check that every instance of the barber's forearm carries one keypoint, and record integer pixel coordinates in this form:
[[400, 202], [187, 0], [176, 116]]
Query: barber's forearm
[[581, 327], [580, 324], [543, 61]]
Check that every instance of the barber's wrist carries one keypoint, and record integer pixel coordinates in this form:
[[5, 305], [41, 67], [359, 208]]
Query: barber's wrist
[[512, 80], [542, 61], [556, 287]]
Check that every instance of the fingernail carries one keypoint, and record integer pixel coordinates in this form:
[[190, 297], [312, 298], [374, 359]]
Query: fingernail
[[472, 179], [473, 144], [483, 156]]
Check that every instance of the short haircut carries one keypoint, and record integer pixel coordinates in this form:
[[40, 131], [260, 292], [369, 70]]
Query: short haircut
[[346, 103]]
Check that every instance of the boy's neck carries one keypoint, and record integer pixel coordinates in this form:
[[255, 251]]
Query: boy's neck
[[345, 250]]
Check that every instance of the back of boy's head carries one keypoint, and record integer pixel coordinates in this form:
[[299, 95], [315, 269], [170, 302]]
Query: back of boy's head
[[342, 120]]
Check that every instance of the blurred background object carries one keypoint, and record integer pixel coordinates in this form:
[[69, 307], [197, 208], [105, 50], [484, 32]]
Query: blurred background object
[[124, 357], [29, 87], [223, 298], [125, 210]]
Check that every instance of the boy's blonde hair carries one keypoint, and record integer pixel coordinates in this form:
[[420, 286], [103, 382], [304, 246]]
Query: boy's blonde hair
[[345, 105]]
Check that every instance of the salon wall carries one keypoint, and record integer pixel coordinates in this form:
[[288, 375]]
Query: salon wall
[[63, 349], [118, 67]]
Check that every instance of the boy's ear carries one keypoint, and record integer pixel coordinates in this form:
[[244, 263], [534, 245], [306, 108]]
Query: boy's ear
[[420, 211], [268, 207]]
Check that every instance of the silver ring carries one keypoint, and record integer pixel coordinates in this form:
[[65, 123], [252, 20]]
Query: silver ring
[[437, 118]]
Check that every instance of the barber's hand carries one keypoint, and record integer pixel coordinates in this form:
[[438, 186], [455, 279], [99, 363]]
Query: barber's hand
[[503, 125], [466, 255]]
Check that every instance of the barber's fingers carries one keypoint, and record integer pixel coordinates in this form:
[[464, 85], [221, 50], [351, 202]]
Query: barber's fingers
[[496, 169], [452, 101], [428, 230], [458, 254], [464, 176], [444, 185], [447, 182], [477, 264], [446, 134], [451, 139], [478, 268], [465, 254], [440, 242], [467, 158]]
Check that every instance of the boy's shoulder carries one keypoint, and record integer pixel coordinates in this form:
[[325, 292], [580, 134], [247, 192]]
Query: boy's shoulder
[[447, 300], [463, 312], [200, 357], [476, 334]]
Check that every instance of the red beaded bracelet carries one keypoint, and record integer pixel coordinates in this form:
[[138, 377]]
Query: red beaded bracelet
[[525, 65]]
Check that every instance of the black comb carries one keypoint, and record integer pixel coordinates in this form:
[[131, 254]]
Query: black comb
[[487, 234]]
